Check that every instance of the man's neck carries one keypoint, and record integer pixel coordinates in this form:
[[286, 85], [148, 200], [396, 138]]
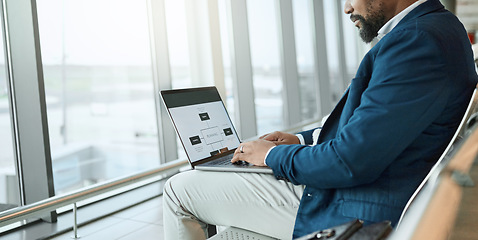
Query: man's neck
[[396, 19], [402, 5]]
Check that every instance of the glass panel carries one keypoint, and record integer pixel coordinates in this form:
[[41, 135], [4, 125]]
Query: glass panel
[[9, 194], [265, 56], [176, 25], [178, 43], [305, 57], [331, 35], [226, 57], [99, 89]]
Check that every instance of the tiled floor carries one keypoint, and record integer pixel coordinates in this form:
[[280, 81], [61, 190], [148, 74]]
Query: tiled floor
[[143, 221]]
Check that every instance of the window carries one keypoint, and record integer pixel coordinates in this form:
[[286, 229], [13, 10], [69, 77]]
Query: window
[[266, 64], [99, 89], [226, 57], [9, 194], [333, 45], [176, 25], [100, 83], [305, 57]]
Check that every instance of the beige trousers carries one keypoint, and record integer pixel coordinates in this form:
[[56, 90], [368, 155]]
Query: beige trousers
[[256, 202]]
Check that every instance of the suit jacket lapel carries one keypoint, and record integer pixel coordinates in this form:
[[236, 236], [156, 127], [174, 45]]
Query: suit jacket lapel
[[331, 124], [344, 110]]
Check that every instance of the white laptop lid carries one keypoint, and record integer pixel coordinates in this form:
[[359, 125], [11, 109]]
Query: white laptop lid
[[202, 122]]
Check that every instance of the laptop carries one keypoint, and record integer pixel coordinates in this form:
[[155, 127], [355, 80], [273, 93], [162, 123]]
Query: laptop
[[205, 129]]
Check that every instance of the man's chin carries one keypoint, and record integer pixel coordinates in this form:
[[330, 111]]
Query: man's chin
[[366, 37]]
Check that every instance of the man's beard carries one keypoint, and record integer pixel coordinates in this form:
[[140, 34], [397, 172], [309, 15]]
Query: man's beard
[[371, 25]]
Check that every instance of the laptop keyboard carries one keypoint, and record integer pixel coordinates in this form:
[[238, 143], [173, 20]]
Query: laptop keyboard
[[226, 160]]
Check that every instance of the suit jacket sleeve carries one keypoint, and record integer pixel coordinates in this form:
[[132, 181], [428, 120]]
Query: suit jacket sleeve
[[405, 93]]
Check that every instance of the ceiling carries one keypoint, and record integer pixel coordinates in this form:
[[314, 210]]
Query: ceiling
[[467, 12]]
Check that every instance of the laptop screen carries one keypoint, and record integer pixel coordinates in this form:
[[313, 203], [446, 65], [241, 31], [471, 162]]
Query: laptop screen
[[201, 121]]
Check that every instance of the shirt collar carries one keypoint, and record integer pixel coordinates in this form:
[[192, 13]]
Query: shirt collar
[[388, 27]]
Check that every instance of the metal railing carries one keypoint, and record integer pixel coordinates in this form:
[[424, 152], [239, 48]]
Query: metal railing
[[50, 204]]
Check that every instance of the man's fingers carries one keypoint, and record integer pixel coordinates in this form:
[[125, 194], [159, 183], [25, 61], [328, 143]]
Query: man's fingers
[[235, 158], [237, 154], [264, 136], [271, 137]]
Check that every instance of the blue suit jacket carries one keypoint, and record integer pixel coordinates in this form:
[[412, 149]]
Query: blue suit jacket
[[392, 124]]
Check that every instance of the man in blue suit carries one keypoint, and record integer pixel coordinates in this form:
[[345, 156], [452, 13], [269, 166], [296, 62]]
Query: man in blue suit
[[389, 128]]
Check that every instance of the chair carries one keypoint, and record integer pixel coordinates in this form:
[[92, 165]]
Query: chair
[[426, 187]]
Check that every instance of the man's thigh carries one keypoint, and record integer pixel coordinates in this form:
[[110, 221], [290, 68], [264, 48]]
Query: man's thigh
[[257, 202]]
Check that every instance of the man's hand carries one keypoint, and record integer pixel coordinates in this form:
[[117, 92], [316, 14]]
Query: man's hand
[[253, 152], [279, 138]]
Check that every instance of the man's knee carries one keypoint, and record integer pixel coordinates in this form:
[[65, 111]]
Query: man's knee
[[173, 185], [177, 186]]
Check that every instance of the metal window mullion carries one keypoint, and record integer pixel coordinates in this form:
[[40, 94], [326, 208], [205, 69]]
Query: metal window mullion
[[29, 113], [290, 76], [321, 68], [216, 48], [343, 69], [11, 96], [161, 78], [241, 66], [200, 61]]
